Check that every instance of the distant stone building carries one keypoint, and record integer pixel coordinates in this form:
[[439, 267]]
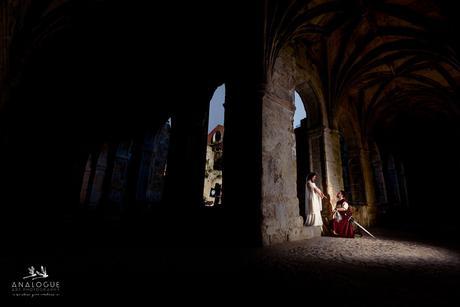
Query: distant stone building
[[212, 192]]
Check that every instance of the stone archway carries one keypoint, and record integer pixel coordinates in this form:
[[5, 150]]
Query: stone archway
[[357, 172], [281, 220], [308, 142]]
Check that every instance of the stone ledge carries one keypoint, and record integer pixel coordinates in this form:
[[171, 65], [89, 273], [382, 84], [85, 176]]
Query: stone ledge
[[309, 232], [295, 234]]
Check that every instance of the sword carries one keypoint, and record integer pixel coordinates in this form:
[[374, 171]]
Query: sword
[[351, 219]]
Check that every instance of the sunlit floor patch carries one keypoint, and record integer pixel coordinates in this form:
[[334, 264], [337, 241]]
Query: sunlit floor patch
[[371, 251], [383, 271]]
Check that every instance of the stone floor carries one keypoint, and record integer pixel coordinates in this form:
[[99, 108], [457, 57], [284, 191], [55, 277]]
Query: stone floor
[[363, 271], [396, 269]]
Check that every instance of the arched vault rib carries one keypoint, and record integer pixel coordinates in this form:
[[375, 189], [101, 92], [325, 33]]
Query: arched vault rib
[[361, 49]]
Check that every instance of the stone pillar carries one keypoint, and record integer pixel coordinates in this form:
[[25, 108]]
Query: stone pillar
[[281, 220], [187, 157], [280, 206], [379, 179], [332, 167], [368, 217], [101, 166], [107, 184], [94, 155], [242, 159], [158, 165], [85, 181]]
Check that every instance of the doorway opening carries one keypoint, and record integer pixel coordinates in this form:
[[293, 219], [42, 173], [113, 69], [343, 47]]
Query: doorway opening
[[302, 150]]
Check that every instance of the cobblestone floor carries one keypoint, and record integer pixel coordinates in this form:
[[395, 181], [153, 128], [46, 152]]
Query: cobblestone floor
[[388, 271], [392, 270]]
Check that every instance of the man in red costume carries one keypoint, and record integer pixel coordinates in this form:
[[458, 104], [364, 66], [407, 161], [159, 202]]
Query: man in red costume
[[341, 225]]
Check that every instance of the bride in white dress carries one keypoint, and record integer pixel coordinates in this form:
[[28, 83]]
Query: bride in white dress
[[313, 205]]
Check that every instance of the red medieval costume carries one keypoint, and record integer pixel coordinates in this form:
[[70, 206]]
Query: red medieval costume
[[342, 227]]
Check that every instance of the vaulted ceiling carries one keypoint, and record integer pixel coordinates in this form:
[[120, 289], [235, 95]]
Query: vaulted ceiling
[[386, 57]]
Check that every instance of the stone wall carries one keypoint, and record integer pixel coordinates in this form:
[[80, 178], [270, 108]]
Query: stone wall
[[99, 175], [280, 206]]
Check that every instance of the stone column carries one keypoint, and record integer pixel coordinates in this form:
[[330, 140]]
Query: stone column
[[370, 211], [107, 183], [85, 181], [379, 179], [281, 220], [242, 159], [101, 166], [158, 165], [332, 167], [280, 206], [187, 157]]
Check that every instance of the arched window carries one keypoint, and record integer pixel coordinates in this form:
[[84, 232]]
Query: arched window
[[302, 150], [300, 112], [212, 191], [216, 137]]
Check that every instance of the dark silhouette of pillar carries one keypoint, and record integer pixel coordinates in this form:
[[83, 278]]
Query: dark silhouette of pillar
[[243, 159], [187, 154]]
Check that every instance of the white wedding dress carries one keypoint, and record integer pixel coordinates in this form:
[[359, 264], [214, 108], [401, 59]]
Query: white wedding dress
[[313, 206]]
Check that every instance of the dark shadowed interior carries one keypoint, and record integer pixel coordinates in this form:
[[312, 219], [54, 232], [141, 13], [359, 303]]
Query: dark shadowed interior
[[104, 109]]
